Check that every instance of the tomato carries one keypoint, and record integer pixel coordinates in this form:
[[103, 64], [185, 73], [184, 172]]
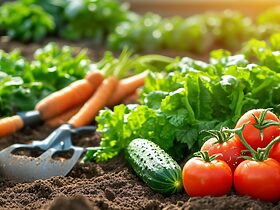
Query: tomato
[[251, 134], [201, 178], [258, 179], [230, 150]]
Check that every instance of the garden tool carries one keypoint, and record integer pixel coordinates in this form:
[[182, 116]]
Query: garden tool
[[22, 168]]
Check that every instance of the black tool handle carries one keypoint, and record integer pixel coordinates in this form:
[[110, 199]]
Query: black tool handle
[[30, 118], [84, 130]]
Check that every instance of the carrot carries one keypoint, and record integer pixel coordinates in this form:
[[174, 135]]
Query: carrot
[[94, 75], [126, 87], [98, 101], [62, 118], [10, 124], [74, 94]]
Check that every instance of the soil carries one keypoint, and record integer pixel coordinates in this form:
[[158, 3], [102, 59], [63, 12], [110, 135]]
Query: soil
[[109, 185]]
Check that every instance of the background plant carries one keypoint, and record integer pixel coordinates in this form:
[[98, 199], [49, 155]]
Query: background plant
[[25, 22]]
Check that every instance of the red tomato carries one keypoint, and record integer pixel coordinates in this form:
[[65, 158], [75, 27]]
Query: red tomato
[[230, 151], [201, 178], [258, 179], [252, 134]]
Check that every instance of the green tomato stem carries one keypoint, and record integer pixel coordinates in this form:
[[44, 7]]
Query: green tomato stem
[[204, 155], [261, 153], [244, 142], [261, 123], [221, 135]]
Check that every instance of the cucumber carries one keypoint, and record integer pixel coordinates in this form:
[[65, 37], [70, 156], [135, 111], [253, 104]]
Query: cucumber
[[156, 168]]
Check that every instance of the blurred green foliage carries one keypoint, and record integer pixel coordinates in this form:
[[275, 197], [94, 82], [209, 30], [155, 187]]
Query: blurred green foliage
[[25, 22], [111, 23]]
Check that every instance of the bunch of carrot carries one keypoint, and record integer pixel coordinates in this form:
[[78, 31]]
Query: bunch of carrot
[[110, 92], [80, 101], [107, 89]]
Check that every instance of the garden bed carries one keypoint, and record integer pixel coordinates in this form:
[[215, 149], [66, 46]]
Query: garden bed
[[110, 185], [181, 97]]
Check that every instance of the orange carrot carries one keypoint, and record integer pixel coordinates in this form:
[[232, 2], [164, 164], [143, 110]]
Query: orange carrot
[[74, 94], [62, 118], [98, 101], [126, 87], [10, 124], [94, 75]]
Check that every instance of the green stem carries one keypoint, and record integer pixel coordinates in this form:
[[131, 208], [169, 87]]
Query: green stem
[[261, 153], [152, 57], [189, 107], [205, 156], [264, 85], [221, 135], [239, 102], [89, 156], [244, 142], [119, 67], [262, 123]]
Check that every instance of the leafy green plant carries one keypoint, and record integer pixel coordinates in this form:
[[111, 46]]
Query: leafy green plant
[[110, 22], [193, 96], [139, 34], [265, 53], [55, 8], [92, 19], [59, 66], [25, 22], [229, 28], [197, 33], [13, 71], [23, 83], [190, 34]]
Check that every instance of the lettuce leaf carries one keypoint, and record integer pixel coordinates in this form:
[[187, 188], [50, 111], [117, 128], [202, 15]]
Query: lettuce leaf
[[188, 97]]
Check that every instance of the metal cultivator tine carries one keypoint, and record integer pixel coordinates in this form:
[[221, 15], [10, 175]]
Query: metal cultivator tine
[[22, 168]]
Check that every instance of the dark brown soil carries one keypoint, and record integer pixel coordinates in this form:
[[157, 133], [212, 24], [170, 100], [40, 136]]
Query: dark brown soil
[[110, 185]]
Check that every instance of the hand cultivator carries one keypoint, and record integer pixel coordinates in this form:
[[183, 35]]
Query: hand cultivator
[[21, 168], [24, 168]]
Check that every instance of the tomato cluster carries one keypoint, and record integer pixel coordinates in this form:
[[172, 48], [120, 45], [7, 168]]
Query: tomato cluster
[[247, 158]]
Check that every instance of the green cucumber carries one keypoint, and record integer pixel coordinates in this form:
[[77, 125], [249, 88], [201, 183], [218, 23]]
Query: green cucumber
[[156, 168]]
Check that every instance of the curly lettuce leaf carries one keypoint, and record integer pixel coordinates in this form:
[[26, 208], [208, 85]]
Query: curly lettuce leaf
[[177, 105]]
